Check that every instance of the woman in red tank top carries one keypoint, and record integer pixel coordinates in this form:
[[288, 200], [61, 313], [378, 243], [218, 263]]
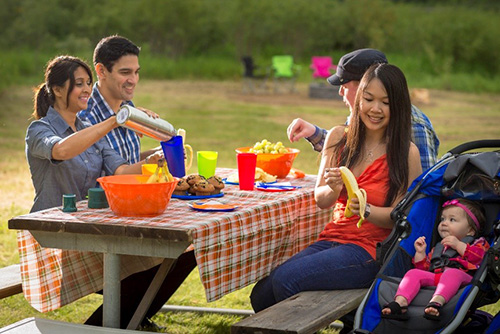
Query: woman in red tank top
[[376, 146]]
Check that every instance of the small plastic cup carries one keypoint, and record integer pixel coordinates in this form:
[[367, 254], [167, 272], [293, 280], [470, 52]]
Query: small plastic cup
[[207, 162], [246, 170], [97, 199], [69, 203]]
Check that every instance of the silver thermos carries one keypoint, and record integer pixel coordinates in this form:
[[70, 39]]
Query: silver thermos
[[138, 121]]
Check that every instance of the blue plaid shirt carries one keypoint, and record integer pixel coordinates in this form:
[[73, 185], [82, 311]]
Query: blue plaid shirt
[[423, 136], [123, 140]]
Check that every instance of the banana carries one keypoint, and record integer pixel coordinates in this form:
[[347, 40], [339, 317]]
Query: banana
[[182, 133], [353, 191], [155, 177], [163, 176], [166, 172]]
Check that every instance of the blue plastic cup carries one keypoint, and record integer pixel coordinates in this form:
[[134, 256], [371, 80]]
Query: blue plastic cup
[[174, 154]]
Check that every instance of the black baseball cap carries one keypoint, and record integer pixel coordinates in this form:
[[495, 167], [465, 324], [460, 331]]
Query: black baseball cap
[[353, 65]]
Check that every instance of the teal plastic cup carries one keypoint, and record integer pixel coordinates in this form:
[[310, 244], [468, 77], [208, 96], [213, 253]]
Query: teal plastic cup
[[207, 162], [97, 198], [69, 203]]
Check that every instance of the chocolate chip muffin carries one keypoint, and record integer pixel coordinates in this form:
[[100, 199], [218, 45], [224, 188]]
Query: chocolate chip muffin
[[216, 181], [203, 188], [193, 178], [181, 187]]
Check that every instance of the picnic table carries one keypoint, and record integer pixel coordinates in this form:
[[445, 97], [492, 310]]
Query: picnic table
[[233, 249]]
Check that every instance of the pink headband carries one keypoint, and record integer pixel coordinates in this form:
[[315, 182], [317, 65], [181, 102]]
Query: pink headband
[[467, 211]]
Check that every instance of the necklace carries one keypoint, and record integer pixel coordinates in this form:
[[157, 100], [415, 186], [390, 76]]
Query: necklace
[[369, 153]]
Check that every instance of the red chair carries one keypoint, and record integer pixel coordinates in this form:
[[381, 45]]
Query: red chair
[[322, 67]]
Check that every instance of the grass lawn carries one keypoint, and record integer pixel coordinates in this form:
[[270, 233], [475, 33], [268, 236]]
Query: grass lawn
[[216, 116]]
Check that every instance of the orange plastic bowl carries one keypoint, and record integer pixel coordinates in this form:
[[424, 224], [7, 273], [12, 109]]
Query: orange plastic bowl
[[130, 195], [278, 164]]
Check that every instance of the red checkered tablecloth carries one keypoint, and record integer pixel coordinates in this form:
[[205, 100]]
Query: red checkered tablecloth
[[233, 249]]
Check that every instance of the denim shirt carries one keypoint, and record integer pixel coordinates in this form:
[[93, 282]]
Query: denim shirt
[[54, 178], [125, 141], [423, 135]]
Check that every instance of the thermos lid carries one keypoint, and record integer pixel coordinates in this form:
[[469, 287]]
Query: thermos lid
[[122, 115]]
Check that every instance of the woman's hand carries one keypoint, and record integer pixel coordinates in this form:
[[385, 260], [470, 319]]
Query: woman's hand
[[333, 179], [329, 182]]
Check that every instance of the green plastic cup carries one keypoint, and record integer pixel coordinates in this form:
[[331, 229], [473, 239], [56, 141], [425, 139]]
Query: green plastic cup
[[207, 162], [69, 203], [97, 199]]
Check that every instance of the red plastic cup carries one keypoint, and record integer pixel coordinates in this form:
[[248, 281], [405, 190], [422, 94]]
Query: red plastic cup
[[246, 170]]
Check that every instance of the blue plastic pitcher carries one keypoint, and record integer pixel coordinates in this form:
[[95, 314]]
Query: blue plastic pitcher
[[174, 154]]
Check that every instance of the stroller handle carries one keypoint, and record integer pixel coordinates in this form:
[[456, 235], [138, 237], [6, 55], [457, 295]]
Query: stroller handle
[[473, 145]]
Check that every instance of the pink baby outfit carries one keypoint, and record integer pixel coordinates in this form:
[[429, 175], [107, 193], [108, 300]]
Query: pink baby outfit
[[447, 281]]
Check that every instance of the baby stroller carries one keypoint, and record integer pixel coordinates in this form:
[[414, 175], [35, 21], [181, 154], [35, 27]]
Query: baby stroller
[[474, 176]]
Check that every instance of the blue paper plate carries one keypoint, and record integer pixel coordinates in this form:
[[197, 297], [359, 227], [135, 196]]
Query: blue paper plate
[[236, 183], [276, 189], [190, 197]]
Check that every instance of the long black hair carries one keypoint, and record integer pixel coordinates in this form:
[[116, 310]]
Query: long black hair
[[398, 132], [58, 71]]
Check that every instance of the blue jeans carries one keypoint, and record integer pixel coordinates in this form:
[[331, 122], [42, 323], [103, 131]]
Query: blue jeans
[[324, 265]]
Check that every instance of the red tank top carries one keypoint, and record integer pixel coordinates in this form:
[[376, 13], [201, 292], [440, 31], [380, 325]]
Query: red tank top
[[374, 180]]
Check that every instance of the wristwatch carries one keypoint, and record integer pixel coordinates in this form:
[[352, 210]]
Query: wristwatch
[[367, 211]]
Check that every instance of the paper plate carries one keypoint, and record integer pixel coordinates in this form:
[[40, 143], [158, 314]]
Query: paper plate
[[193, 197], [276, 187], [212, 206], [236, 183], [229, 182], [274, 190]]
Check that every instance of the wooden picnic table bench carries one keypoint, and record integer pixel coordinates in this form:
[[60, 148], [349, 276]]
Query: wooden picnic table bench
[[10, 281], [46, 326], [304, 313]]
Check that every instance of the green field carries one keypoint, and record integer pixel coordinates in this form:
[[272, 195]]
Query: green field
[[217, 116]]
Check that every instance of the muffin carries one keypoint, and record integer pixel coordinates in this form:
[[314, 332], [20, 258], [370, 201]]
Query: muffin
[[181, 187], [203, 188], [193, 178], [216, 181]]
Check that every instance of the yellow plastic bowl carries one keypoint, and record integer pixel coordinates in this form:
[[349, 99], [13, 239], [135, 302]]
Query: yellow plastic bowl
[[130, 195], [278, 164]]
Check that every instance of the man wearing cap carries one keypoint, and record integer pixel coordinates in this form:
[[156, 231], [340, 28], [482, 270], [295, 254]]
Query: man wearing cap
[[350, 70]]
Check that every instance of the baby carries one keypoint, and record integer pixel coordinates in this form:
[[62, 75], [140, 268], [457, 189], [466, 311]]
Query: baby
[[461, 222]]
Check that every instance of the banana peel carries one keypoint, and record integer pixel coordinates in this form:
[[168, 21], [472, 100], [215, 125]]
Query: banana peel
[[353, 191]]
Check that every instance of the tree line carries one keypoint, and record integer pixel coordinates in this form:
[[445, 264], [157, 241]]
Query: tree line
[[450, 34]]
